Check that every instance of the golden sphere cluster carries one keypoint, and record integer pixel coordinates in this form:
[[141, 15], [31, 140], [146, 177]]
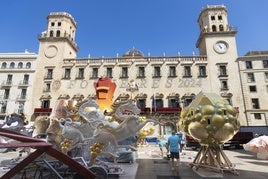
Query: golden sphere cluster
[[66, 145], [96, 149], [210, 124], [146, 132]]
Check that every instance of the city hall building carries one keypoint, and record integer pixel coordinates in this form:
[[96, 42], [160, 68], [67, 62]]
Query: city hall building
[[160, 85]]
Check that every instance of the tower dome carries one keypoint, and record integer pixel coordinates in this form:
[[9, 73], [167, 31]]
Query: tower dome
[[133, 53]]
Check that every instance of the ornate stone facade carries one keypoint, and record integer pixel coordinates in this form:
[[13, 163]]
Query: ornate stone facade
[[163, 84]]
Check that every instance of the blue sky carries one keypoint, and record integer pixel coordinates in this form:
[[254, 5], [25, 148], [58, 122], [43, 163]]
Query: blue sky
[[108, 27]]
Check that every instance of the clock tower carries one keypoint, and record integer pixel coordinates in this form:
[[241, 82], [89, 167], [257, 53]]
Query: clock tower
[[217, 37], [56, 43], [217, 41]]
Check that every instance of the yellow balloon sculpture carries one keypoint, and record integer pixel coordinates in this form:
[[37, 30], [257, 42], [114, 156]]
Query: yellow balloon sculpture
[[210, 119]]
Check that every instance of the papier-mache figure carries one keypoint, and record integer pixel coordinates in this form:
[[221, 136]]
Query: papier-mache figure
[[258, 145]]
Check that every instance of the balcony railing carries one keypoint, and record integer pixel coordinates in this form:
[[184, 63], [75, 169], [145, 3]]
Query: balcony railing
[[166, 110], [6, 84], [21, 98], [42, 110], [145, 110], [24, 84], [160, 110]]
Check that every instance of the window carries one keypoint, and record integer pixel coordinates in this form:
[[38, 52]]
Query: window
[[248, 64], [26, 80], [229, 100], [9, 79], [255, 103], [21, 108], [253, 88], [67, 73], [52, 24], [49, 73], [202, 71], [80, 73], [157, 103], [157, 72], [187, 71], [251, 77], [172, 71], [58, 33], [23, 94], [45, 104], [173, 103], [141, 72], [12, 65], [265, 63], [141, 103], [59, 24], [95, 72], [214, 28], [257, 116], [266, 76], [6, 93], [221, 27], [212, 18], [28, 65], [4, 65], [51, 33], [3, 109], [223, 71], [224, 85], [124, 72], [219, 17], [187, 101], [20, 65], [47, 87], [109, 72]]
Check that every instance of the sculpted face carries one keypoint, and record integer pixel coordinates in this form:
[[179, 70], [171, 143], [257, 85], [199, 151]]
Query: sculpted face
[[40, 125], [54, 132]]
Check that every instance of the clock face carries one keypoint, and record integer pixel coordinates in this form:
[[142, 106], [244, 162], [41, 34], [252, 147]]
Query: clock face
[[51, 51], [221, 47]]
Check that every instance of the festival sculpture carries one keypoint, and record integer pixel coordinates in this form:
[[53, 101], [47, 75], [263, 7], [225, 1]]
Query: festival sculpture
[[91, 130], [258, 145], [211, 120], [85, 128], [16, 122]]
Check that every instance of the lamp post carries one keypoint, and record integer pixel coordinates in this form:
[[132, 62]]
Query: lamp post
[[132, 87]]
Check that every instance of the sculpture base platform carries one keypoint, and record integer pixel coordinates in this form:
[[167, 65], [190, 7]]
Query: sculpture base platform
[[213, 158]]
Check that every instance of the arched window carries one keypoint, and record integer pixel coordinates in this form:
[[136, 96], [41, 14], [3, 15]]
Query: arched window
[[214, 28], [58, 33], [12, 65], [221, 27], [51, 33], [28, 65], [157, 101], [4, 65], [20, 65]]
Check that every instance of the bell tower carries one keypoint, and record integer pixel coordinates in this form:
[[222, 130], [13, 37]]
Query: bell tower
[[217, 42], [58, 40], [56, 43], [216, 35]]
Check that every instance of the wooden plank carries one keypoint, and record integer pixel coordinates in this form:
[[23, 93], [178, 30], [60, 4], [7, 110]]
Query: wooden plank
[[24, 144], [17, 168], [82, 170]]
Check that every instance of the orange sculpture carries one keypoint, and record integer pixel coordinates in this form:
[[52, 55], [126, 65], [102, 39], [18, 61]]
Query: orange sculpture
[[104, 90]]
